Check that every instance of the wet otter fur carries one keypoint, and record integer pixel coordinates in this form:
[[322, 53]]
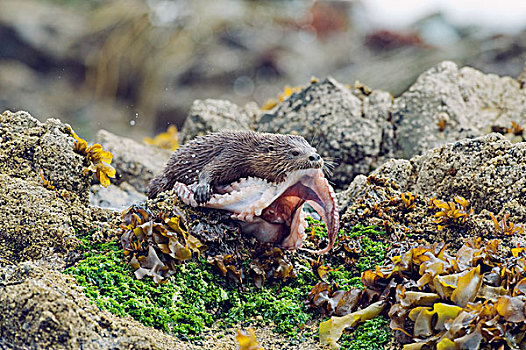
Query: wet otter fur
[[224, 157]]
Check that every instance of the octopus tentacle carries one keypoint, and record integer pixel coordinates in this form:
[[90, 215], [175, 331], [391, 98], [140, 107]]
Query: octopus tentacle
[[273, 212]]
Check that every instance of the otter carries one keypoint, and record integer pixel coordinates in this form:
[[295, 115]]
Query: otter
[[263, 179], [223, 157]]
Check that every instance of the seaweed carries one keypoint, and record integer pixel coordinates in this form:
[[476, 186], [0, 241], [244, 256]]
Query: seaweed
[[372, 335], [46, 183], [165, 140], [98, 159], [505, 228], [451, 215], [247, 340], [409, 200], [287, 92], [436, 300]]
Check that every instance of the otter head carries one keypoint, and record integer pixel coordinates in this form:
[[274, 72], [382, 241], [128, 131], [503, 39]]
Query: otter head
[[279, 155]]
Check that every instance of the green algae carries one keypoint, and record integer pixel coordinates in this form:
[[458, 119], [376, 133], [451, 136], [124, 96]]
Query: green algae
[[372, 334], [373, 251], [192, 299], [196, 296]]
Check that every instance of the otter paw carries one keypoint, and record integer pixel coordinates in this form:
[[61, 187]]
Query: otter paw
[[202, 193]]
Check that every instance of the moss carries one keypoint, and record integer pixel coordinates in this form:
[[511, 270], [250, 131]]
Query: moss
[[194, 298], [372, 334]]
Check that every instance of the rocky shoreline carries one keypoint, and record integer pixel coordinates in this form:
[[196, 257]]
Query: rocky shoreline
[[455, 132]]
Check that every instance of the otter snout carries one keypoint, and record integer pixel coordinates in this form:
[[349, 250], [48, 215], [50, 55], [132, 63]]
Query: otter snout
[[315, 160], [315, 157]]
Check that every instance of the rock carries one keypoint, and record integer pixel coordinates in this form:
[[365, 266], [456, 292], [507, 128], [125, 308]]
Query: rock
[[350, 128], [215, 115], [46, 29], [136, 163], [37, 222], [358, 129], [29, 148], [488, 171], [45, 309], [502, 54], [34, 221], [469, 103], [115, 197]]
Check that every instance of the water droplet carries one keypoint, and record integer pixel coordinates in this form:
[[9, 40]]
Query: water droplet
[[193, 155], [243, 86], [136, 115], [132, 122]]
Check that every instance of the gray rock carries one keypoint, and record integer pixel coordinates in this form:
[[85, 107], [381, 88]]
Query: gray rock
[[49, 28], [359, 129], [470, 103], [115, 197], [350, 128], [135, 163], [215, 115]]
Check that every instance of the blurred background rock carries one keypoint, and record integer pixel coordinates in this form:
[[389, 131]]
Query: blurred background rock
[[135, 66]]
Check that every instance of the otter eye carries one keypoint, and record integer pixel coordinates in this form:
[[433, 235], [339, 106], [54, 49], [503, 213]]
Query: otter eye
[[271, 148], [295, 153]]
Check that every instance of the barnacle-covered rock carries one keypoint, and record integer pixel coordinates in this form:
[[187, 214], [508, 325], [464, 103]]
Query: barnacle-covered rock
[[45, 309], [351, 126], [486, 171], [39, 220], [34, 221], [29, 148]]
